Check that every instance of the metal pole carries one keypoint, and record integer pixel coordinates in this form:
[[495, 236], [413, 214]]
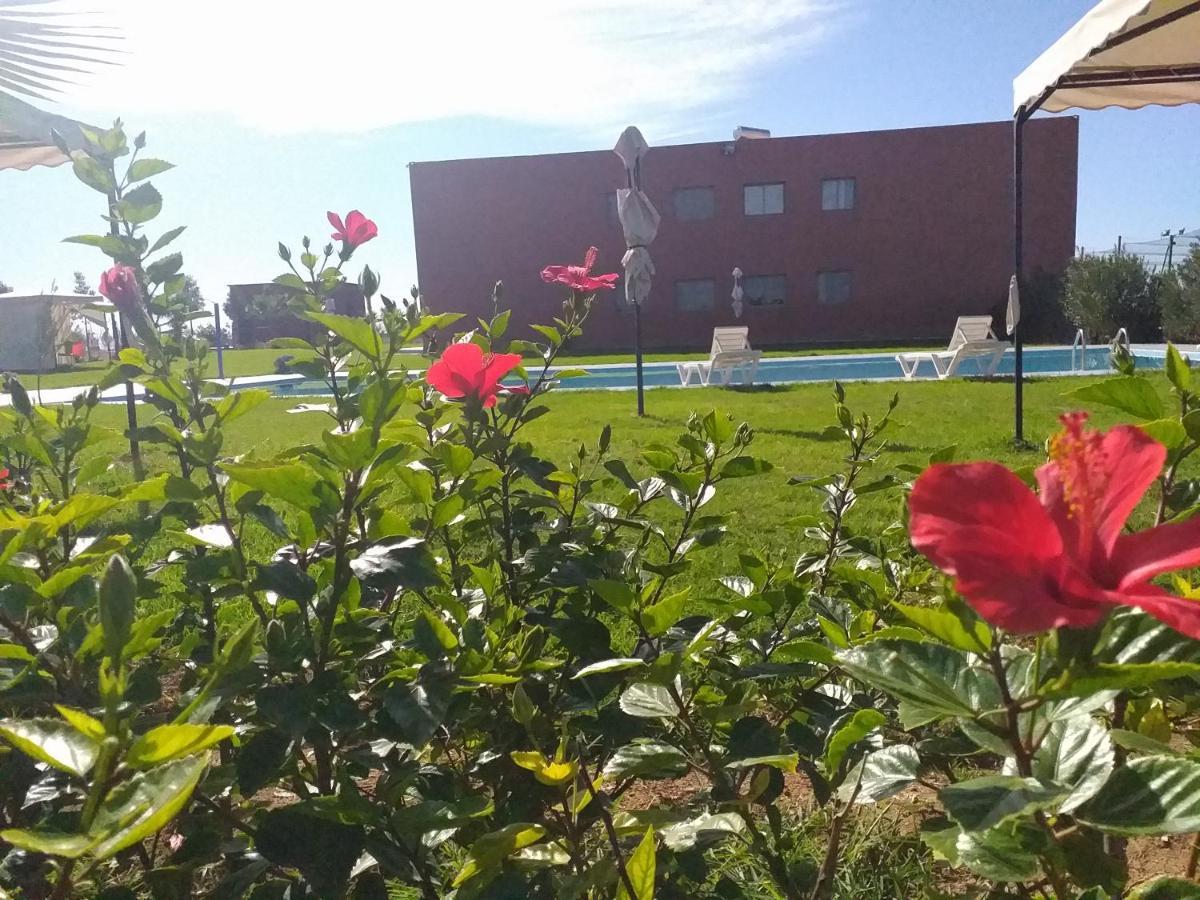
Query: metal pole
[[219, 340], [1018, 248], [637, 343]]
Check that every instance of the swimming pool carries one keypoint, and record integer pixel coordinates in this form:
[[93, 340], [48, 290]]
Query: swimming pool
[[791, 369]]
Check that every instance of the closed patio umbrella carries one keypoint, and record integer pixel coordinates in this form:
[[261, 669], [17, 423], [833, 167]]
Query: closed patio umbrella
[[639, 221]]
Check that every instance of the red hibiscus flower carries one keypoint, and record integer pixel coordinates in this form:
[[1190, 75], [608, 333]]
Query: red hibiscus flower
[[355, 231], [5, 483], [1028, 562], [119, 284], [579, 278], [465, 371]]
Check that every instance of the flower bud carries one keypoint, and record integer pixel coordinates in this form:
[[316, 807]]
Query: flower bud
[[120, 285]]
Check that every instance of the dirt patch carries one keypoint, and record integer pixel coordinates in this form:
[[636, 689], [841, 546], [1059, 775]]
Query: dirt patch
[[1158, 857], [797, 796]]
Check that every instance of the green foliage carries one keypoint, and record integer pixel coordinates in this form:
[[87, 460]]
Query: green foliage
[[1105, 293], [420, 652], [1181, 300]]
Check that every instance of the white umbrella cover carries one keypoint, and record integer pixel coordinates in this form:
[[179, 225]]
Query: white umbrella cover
[[639, 219], [1013, 317]]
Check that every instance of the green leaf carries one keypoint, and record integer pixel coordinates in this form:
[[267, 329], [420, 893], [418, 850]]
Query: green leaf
[[707, 828], [162, 270], [1083, 682], [417, 709], [168, 742], [786, 762], [94, 174], [658, 617], [1130, 394], [645, 758], [1178, 372], [616, 594], [1168, 432], [802, 650], [140, 205], [640, 870], [649, 701], [1076, 753], [1166, 889], [359, 333], [610, 665], [144, 804], [53, 742], [404, 563], [438, 630], [236, 404], [82, 722], [849, 733], [293, 482], [53, 843], [1148, 795], [323, 849], [165, 238], [741, 466], [882, 774], [493, 848], [984, 803], [1000, 854], [141, 169], [928, 675], [944, 625]]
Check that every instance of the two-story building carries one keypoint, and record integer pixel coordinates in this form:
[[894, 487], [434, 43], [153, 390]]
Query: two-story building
[[883, 236]]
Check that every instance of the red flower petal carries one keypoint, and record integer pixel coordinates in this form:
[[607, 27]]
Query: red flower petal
[[1177, 612], [1140, 556], [339, 228], [1018, 591], [554, 273], [985, 497], [589, 259]]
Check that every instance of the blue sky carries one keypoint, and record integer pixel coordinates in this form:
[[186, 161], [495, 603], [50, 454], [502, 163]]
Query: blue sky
[[269, 128]]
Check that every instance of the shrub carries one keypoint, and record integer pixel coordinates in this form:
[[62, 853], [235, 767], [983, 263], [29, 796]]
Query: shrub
[[451, 658], [1103, 294], [1181, 300]]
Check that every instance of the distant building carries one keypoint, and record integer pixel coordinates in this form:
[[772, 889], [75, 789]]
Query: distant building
[[37, 329], [882, 236], [257, 313]]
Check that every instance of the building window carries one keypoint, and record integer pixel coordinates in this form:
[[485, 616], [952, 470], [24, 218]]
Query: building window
[[611, 211], [833, 287], [695, 294], [765, 290], [693, 204], [837, 193], [763, 199]]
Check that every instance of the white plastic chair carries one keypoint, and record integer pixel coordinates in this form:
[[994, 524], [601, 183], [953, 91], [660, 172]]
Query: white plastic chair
[[973, 338], [731, 352]]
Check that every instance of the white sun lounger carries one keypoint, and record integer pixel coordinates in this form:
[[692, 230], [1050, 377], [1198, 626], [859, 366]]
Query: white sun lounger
[[973, 338], [731, 352]]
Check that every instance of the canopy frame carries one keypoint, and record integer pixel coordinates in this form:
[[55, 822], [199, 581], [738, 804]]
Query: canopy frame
[[1125, 77]]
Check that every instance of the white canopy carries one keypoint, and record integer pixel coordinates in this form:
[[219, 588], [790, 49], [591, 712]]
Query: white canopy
[[1128, 53], [25, 139]]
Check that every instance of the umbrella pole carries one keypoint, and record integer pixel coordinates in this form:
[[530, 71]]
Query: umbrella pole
[[637, 346], [1018, 248]]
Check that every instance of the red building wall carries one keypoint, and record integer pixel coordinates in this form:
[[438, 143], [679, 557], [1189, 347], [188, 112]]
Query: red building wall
[[929, 237]]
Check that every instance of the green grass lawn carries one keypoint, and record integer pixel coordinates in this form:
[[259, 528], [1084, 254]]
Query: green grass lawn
[[789, 423]]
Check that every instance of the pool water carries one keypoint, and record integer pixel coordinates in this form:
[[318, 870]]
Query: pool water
[[786, 370]]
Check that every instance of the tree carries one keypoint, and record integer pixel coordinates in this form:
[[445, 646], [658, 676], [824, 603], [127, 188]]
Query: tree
[[190, 297], [1181, 300], [1106, 293], [4, 288], [82, 286]]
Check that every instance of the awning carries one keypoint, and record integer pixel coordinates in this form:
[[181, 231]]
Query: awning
[[25, 139], [1127, 53]]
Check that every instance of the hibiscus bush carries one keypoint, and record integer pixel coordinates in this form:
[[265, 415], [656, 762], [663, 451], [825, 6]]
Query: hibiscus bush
[[421, 657]]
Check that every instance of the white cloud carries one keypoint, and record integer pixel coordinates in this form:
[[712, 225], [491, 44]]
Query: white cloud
[[350, 65]]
